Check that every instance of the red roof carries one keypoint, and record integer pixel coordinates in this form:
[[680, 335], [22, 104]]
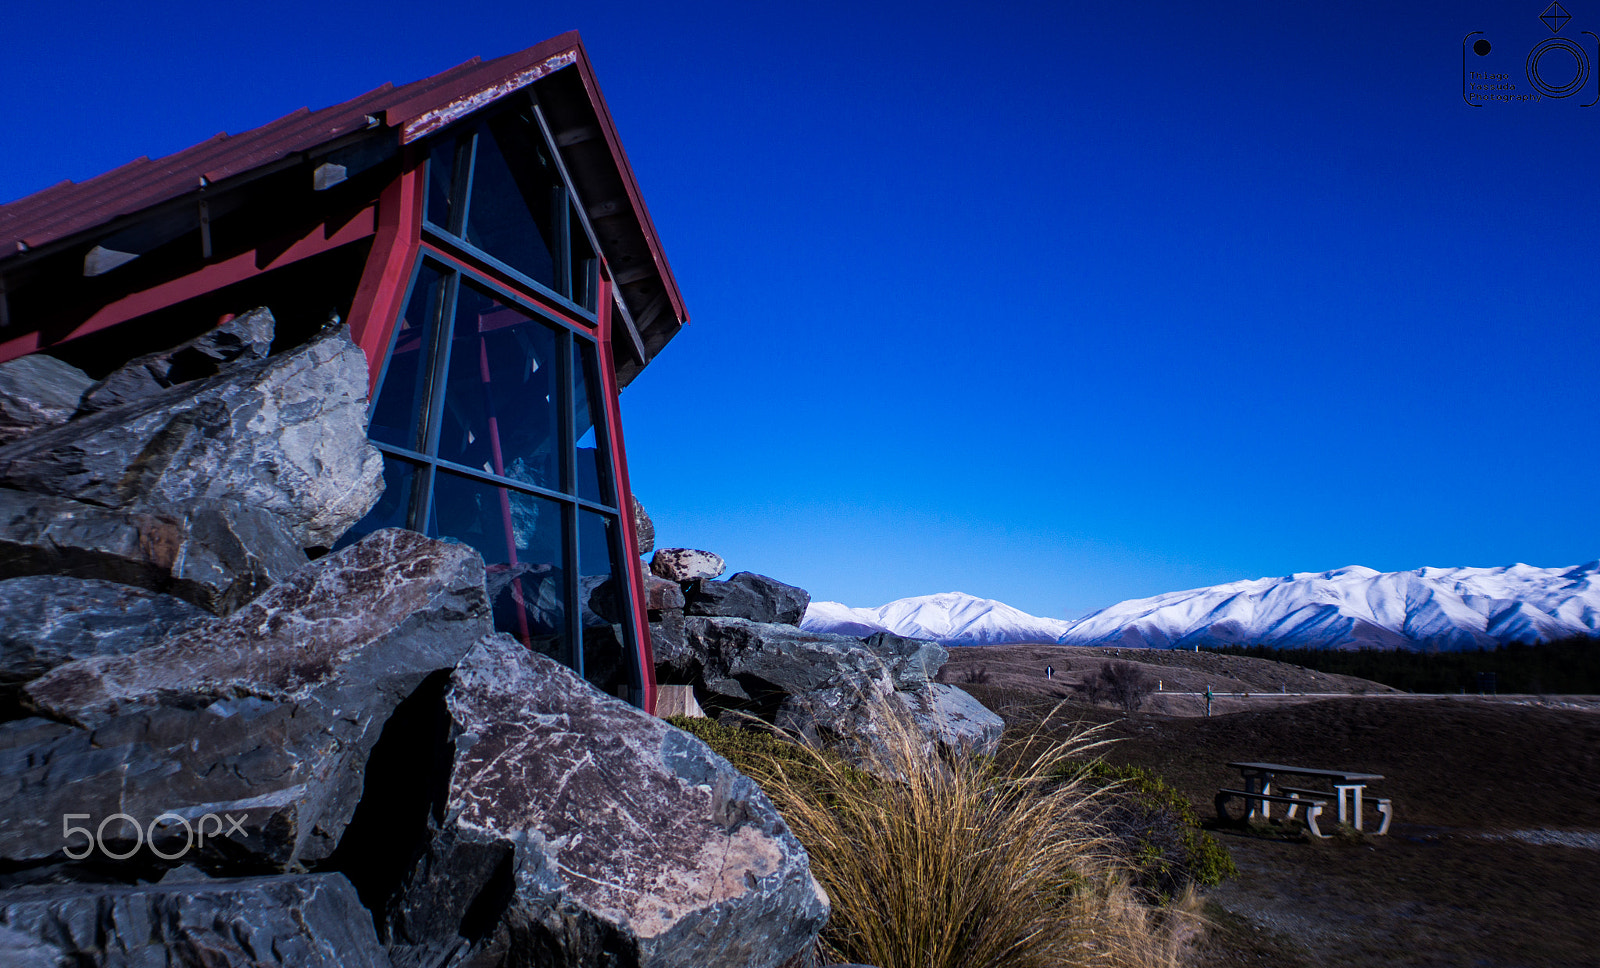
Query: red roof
[[69, 209]]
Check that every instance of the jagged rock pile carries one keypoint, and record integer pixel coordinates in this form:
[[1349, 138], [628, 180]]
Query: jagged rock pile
[[738, 643], [215, 750]]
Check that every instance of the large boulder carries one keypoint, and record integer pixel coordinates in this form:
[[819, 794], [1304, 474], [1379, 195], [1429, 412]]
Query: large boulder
[[263, 720], [952, 718], [217, 554], [686, 564], [942, 716], [50, 620], [644, 530], [285, 434], [36, 392], [912, 663], [762, 663], [749, 596], [670, 650], [660, 594], [239, 338], [304, 921], [577, 831]]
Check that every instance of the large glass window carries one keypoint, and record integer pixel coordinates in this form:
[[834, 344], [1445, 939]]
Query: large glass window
[[491, 421], [496, 189]]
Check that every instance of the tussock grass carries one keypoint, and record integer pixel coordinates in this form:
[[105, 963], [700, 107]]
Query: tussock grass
[[950, 861]]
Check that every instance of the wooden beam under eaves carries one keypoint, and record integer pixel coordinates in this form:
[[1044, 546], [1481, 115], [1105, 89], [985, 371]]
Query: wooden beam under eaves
[[628, 277], [634, 342], [576, 136], [651, 310]]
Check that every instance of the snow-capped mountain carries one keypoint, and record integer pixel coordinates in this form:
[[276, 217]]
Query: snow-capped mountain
[[1349, 608], [954, 618]]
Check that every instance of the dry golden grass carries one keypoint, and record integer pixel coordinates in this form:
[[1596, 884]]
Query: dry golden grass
[[956, 863]]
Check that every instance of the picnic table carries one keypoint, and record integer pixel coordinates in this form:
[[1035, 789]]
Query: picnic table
[[1349, 788]]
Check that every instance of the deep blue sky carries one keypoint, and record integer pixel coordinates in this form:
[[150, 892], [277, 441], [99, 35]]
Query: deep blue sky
[[1053, 305]]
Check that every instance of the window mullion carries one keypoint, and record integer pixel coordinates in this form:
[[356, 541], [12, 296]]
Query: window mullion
[[443, 335], [466, 166], [561, 209]]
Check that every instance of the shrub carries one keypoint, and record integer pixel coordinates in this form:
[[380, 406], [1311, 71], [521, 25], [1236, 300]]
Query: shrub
[[1157, 828], [946, 861], [1120, 683], [978, 675]]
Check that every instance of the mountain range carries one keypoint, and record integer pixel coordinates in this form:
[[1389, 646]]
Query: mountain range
[[1348, 608]]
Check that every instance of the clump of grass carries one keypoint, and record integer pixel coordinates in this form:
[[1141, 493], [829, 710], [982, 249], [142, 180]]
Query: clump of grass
[[949, 861]]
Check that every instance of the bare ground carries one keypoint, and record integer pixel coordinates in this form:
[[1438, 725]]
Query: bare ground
[[1492, 858]]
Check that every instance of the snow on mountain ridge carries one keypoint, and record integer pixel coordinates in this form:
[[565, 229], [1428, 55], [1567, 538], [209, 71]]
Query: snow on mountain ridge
[[1351, 607]]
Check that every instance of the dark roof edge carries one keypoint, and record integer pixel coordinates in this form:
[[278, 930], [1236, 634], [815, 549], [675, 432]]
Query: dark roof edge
[[416, 110]]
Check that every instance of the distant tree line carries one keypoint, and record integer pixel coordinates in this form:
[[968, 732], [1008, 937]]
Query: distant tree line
[[1563, 666]]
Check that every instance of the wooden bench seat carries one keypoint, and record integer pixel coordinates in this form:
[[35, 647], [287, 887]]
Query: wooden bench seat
[[1313, 804]]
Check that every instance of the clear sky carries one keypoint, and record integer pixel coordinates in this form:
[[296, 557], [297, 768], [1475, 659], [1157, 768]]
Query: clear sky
[[1060, 304]]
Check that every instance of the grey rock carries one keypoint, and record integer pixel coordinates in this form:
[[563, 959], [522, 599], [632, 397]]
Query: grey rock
[[36, 392], [951, 717], [50, 620], [304, 921], [217, 554], [286, 434], [912, 663], [750, 596], [763, 663], [673, 660], [246, 337], [686, 863], [866, 713], [686, 564], [17, 950], [267, 716], [662, 594], [644, 530]]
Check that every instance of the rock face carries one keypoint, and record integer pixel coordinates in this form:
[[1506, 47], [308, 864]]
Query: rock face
[[36, 392], [686, 865], [749, 596], [944, 715], [305, 921], [266, 716], [49, 620], [911, 663], [216, 554], [820, 684], [662, 594], [684, 564], [246, 337], [285, 434], [644, 530], [765, 662]]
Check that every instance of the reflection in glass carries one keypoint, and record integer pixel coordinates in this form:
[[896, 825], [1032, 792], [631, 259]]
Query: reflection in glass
[[594, 483], [501, 402], [393, 509], [603, 598], [585, 267], [519, 204], [398, 410], [520, 538], [441, 185]]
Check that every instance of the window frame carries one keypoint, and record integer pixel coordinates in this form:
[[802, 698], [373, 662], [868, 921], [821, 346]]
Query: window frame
[[453, 235], [571, 336]]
